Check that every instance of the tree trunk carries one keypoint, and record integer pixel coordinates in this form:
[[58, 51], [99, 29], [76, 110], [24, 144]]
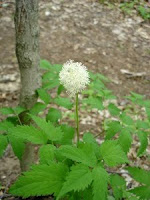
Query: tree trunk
[[27, 52]]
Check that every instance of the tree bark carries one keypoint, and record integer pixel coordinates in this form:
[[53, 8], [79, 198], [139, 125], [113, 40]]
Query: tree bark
[[27, 52]]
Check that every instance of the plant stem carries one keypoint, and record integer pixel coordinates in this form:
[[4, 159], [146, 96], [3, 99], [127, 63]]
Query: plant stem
[[77, 118]]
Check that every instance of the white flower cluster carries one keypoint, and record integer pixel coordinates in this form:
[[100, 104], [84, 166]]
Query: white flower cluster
[[74, 77]]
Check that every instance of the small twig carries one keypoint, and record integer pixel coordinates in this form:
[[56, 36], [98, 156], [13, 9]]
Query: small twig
[[18, 118], [3, 196], [115, 172], [95, 136]]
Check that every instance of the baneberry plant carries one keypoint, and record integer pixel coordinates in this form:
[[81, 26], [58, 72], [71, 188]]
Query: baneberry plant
[[71, 167]]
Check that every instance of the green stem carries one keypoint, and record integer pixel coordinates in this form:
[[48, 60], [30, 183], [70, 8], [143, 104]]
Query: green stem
[[77, 118]]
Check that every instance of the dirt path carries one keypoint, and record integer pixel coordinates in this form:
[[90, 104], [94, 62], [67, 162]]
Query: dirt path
[[86, 31]]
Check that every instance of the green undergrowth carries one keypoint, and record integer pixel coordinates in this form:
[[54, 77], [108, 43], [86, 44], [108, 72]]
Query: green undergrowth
[[71, 170], [141, 7]]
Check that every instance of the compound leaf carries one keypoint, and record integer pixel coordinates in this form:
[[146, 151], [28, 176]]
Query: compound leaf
[[40, 181], [7, 111], [85, 155], [5, 125], [18, 145], [53, 115], [140, 175], [113, 128], [37, 108], [53, 133], [112, 153], [44, 95], [142, 191], [64, 102], [78, 179], [68, 134], [113, 109], [118, 185], [143, 140], [125, 140], [47, 154], [100, 183], [94, 102], [29, 133]]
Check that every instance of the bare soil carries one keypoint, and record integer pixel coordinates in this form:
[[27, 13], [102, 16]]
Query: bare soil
[[104, 39]]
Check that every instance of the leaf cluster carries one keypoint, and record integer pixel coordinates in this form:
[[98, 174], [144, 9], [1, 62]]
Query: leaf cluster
[[77, 171]]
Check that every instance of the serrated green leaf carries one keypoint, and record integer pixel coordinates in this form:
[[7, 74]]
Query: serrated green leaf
[[18, 146], [111, 198], [113, 128], [47, 154], [29, 133], [12, 111], [13, 120], [68, 134], [6, 111], [94, 102], [89, 138], [77, 179], [18, 110], [44, 95], [140, 175], [88, 92], [38, 107], [117, 180], [5, 125], [112, 153], [125, 140], [87, 193], [107, 94], [40, 181], [53, 133], [143, 141], [50, 75], [148, 112], [146, 103], [53, 68], [53, 115], [60, 89], [134, 96], [44, 64], [137, 96], [85, 155], [51, 84], [113, 109], [102, 77], [97, 85], [64, 102], [126, 119], [142, 124], [142, 191], [133, 198], [93, 76], [100, 182], [3, 144], [118, 184], [57, 67]]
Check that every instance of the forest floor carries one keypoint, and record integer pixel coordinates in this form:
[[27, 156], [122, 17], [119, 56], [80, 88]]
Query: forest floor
[[102, 38]]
